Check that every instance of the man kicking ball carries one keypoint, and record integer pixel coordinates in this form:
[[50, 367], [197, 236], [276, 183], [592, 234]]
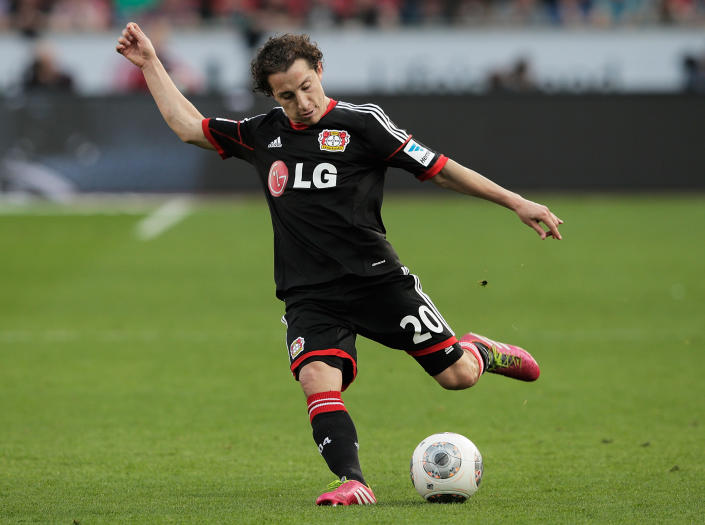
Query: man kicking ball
[[321, 163]]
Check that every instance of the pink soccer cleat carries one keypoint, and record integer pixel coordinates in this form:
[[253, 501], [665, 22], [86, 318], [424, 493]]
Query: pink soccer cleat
[[505, 359], [350, 492]]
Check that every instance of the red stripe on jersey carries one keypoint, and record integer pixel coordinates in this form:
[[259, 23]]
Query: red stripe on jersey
[[433, 170], [208, 132], [323, 402], [329, 351], [299, 127], [239, 133], [399, 148], [435, 348], [233, 139], [205, 125]]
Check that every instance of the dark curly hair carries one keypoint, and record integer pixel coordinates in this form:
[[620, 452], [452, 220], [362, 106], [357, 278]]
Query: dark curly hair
[[278, 54]]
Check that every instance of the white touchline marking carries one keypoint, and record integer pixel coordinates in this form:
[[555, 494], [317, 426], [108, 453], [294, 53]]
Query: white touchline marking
[[163, 218], [67, 211]]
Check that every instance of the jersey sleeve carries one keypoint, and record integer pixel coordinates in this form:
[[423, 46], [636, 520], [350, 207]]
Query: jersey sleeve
[[232, 138], [397, 148]]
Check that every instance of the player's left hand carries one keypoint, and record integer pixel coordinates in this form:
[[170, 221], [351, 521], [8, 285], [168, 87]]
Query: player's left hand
[[533, 214]]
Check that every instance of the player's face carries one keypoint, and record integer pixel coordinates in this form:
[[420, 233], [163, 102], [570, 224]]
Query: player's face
[[300, 93]]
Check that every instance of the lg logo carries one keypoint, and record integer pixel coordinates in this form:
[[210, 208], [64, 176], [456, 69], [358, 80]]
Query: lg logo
[[324, 175]]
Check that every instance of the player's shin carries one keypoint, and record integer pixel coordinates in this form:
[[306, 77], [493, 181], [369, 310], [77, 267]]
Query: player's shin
[[335, 434]]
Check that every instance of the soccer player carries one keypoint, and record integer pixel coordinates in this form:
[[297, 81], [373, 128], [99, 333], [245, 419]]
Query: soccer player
[[322, 163]]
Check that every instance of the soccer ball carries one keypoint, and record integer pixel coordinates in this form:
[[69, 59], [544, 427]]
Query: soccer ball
[[446, 468]]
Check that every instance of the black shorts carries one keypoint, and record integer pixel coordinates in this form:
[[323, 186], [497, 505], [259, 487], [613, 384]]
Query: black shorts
[[323, 321]]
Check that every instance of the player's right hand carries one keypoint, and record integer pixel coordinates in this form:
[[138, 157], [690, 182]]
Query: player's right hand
[[134, 45]]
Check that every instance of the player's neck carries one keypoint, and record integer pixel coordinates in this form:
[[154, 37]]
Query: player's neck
[[329, 104]]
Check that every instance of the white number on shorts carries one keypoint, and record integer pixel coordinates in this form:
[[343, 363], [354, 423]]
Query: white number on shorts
[[430, 320]]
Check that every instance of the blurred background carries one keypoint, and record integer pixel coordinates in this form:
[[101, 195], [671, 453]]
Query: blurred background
[[537, 94]]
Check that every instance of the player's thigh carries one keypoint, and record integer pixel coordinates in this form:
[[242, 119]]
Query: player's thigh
[[399, 314], [314, 334]]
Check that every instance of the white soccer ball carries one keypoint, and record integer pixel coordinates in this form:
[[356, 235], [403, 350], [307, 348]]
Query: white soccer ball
[[446, 468]]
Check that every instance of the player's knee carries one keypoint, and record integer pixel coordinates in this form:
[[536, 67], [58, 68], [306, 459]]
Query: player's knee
[[460, 375], [317, 376]]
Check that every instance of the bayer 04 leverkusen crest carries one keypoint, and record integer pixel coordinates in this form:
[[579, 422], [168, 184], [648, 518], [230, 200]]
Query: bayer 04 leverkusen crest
[[333, 140], [297, 346]]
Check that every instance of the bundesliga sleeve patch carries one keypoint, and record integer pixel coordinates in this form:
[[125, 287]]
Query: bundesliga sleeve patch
[[333, 140], [417, 152]]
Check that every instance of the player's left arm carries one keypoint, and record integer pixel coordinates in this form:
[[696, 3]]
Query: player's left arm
[[456, 177]]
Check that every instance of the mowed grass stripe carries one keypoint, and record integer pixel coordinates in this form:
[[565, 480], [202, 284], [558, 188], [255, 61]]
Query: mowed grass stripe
[[148, 382]]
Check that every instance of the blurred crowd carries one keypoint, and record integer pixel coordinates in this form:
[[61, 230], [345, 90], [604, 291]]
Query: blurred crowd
[[35, 16], [254, 18]]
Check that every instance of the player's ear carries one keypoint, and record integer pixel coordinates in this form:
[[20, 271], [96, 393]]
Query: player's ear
[[319, 69]]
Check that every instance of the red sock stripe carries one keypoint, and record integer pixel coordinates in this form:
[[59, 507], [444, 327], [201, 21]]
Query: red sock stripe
[[324, 402], [469, 347]]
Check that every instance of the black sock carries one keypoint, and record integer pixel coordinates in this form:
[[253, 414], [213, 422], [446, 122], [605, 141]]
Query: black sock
[[484, 353], [336, 438]]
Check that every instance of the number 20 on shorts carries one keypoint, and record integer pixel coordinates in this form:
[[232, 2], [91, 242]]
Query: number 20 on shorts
[[429, 319]]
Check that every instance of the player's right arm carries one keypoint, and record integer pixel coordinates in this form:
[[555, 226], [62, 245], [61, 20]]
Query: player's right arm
[[180, 115], [456, 177]]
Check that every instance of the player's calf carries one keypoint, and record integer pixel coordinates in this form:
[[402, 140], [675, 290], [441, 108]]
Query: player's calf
[[462, 374]]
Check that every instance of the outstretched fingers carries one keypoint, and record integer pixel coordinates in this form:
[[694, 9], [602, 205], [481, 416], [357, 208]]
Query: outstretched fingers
[[533, 214], [536, 226], [552, 222], [553, 227]]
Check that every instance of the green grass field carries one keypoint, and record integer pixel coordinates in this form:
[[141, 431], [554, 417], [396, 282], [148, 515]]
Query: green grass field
[[148, 382]]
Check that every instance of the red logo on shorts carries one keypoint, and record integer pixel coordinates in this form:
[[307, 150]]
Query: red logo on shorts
[[297, 346], [278, 175]]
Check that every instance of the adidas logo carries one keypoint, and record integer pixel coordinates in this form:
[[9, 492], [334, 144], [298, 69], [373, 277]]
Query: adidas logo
[[276, 143]]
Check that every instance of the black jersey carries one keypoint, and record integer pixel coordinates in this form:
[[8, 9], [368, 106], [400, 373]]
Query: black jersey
[[324, 185]]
